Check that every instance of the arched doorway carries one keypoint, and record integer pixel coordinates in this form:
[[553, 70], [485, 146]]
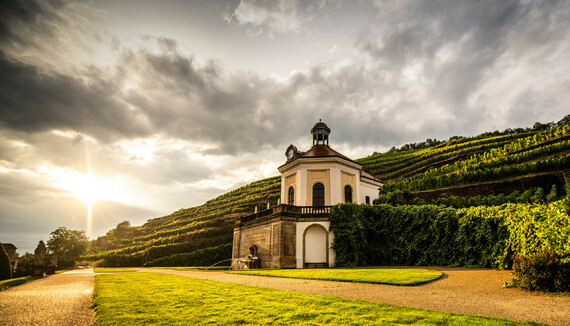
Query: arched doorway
[[315, 246]]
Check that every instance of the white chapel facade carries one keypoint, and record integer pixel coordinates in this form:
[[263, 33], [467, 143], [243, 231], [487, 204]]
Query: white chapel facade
[[324, 177], [296, 233]]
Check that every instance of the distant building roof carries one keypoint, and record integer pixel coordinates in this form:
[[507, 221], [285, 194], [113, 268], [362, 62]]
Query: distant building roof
[[369, 176], [9, 246]]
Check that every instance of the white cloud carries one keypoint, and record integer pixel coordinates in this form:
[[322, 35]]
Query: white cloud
[[274, 16]]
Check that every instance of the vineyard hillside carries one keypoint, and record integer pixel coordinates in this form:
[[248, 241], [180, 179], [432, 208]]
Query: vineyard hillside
[[524, 164]]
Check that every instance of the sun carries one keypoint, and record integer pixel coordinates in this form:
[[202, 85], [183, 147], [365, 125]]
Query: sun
[[89, 188]]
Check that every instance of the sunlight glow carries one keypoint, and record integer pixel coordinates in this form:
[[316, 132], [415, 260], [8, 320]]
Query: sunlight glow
[[88, 188]]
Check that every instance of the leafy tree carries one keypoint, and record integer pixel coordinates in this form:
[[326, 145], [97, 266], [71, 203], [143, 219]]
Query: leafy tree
[[67, 245], [5, 268], [563, 121], [121, 230]]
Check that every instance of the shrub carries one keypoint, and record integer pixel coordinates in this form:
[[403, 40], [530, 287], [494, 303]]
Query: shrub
[[26, 266], [5, 267], [542, 271], [483, 236]]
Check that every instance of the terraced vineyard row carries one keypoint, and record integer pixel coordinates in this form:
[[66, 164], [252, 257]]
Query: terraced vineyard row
[[511, 160], [402, 165]]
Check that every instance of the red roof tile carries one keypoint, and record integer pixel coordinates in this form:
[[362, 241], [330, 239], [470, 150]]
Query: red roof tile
[[323, 151], [369, 176]]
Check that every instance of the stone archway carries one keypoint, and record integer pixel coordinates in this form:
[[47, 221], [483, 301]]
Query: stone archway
[[315, 246]]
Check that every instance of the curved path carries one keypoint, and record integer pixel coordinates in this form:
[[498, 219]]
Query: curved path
[[61, 299], [461, 290]]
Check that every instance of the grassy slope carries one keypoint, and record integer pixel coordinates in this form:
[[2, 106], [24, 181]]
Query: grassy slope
[[149, 298], [377, 275], [6, 284], [453, 165]]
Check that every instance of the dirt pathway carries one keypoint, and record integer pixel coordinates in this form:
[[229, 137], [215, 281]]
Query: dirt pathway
[[461, 290], [61, 299]]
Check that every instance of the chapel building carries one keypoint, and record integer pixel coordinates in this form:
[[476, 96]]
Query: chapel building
[[296, 233]]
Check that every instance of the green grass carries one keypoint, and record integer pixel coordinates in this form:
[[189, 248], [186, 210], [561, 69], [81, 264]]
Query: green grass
[[152, 299], [112, 270], [196, 268], [6, 284], [377, 275], [63, 271]]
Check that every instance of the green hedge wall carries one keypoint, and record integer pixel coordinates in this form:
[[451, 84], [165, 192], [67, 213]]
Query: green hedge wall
[[434, 235], [200, 257]]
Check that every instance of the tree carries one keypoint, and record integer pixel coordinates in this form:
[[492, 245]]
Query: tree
[[5, 267], [67, 245], [120, 231]]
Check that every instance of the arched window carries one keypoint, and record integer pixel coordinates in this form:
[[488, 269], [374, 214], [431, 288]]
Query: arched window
[[291, 198], [348, 194], [367, 199], [318, 195]]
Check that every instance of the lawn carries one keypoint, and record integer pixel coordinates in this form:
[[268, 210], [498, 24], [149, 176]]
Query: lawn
[[6, 284], [112, 270], [196, 268], [61, 271], [378, 275], [152, 298]]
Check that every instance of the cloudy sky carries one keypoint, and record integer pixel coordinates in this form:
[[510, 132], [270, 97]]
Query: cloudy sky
[[138, 108]]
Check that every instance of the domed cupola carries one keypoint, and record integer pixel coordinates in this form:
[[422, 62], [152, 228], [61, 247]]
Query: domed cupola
[[320, 133]]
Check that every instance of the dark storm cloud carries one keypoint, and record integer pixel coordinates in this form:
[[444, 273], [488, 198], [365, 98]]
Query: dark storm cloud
[[16, 11], [475, 33], [35, 101], [459, 44], [24, 23], [234, 111]]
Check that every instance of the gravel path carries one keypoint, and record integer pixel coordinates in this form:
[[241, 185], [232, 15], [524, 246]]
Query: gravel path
[[461, 290], [61, 299]]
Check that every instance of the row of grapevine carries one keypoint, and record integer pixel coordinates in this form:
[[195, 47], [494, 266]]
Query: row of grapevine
[[499, 163]]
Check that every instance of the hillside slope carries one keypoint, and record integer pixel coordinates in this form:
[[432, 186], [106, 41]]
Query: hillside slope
[[492, 163]]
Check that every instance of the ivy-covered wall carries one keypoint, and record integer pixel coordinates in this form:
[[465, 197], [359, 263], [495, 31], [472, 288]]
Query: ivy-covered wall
[[483, 236]]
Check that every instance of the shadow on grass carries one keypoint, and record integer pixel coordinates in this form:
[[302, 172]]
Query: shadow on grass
[[6, 284]]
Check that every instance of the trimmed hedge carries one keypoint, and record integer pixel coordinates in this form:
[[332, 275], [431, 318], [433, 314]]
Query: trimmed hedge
[[117, 260], [200, 257], [434, 235]]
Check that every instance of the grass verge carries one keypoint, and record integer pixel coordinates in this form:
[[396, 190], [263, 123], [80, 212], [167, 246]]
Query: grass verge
[[112, 270], [196, 268], [152, 298], [6, 284], [60, 271], [376, 275]]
